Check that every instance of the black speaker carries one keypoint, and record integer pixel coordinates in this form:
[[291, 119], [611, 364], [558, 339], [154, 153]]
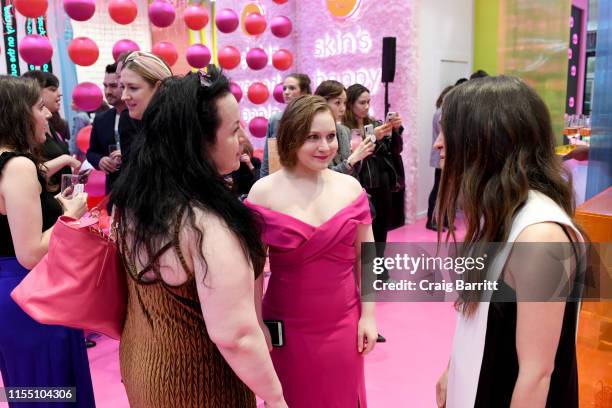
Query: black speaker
[[388, 59]]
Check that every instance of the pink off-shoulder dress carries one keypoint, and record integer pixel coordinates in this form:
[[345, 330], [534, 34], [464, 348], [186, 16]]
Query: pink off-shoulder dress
[[313, 290]]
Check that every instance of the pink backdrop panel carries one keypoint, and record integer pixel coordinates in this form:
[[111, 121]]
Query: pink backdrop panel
[[350, 51]]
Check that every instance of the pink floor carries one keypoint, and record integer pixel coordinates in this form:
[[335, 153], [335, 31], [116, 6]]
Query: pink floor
[[399, 373]]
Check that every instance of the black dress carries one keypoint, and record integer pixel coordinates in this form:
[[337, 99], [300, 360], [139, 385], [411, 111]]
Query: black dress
[[53, 148]]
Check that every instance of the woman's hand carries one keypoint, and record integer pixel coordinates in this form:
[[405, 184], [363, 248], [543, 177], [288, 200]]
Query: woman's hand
[[383, 130], [396, 122], [246, 159], [74, 207], [441, 389], [363, 150], [279, 404], [267, 335], [367, 333], [72, 162]]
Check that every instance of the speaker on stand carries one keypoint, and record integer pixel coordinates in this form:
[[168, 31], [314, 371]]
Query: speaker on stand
[[388, 67], [397, 218]]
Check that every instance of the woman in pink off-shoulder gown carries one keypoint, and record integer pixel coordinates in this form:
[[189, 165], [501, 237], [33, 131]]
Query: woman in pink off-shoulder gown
[[314, 221]]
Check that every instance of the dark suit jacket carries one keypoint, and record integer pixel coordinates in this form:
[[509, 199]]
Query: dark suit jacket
[[102, 135]]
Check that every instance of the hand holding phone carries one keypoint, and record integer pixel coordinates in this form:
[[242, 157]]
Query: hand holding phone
[[369, 132], [277, 332]]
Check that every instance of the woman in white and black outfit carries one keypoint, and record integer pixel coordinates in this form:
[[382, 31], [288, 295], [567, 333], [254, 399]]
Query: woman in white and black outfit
[[499, 166]]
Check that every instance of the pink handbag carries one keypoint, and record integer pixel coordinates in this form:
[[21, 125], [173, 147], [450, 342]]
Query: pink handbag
[[79, 283]]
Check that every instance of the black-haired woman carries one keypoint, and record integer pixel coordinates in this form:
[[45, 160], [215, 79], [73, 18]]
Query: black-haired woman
[[192, 337]]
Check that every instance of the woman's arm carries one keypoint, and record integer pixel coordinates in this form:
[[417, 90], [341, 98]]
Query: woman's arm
[[226, 288], [367, 333], [20, 189], [53, 166], [538, 327]]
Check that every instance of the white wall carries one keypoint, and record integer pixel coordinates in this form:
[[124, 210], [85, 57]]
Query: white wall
[[445, 31]]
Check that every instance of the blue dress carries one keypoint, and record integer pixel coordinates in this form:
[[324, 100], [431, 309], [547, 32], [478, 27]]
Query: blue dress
[[34, 354]]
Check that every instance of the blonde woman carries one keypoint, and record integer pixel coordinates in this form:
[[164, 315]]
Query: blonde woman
[[140, 76]]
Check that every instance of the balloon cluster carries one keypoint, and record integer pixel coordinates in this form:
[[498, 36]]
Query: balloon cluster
[[37, 50]]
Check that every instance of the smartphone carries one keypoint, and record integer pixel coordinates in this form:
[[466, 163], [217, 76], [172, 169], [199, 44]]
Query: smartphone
[[369, 132], [277, 332], [391, 115], [84, 176]]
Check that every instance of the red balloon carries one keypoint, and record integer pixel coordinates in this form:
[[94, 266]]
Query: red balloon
[[229, 57], [255, 24], [280, 1], [196, 17], [282, 59], [83, 138], [31, 8], [258, 93], [166, 51], [83, 51], [123, 11]]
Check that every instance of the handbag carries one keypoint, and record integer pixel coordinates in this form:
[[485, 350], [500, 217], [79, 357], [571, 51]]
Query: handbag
[[80, 282]]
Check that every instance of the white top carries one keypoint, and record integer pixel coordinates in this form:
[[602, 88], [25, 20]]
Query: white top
[[470, 333]]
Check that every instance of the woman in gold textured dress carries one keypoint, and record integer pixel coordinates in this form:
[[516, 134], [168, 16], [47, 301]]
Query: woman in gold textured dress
[[192, 336]]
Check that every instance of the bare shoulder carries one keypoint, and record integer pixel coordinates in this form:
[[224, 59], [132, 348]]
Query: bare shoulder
[[346, 184], [19, 165], [543, 232], [263, 189], [17, 170]]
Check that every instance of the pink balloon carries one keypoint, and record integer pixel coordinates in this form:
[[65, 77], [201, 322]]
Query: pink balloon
[[166, 51], [236, 91], [278, 93], [281, 26], [255, 24], [196, 17], [258, 93], [198, 55], [35, 49], [282, 59], [122, 46], [80, 10], [83, 51], [257, 59], [161, 13], [87, 96], [258, 127], [227, 20], [123, 11], [229, 57]]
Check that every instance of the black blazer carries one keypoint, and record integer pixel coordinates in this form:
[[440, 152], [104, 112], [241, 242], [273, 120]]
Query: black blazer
[[102, 135]]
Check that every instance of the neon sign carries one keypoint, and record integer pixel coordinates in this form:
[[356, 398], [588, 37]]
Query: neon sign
[[343, 44], [10, 39]]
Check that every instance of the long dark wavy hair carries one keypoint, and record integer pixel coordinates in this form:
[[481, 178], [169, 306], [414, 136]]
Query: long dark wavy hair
[[499, 145], [353, 93], [170, 170]]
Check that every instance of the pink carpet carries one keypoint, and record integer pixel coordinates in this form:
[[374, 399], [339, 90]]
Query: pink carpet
[[399, 373]]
